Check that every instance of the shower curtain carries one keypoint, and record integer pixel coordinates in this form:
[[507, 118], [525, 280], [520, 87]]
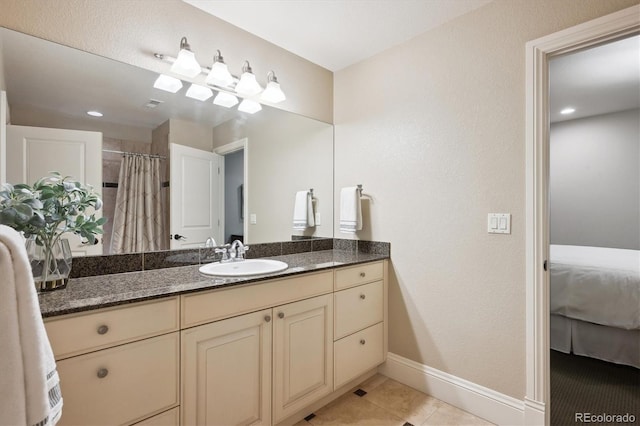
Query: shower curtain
[[138, 217]]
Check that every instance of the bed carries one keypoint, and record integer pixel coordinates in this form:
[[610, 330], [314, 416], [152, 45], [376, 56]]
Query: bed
[[595, 302]]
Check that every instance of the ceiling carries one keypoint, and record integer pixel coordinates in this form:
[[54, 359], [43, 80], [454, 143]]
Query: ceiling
[[337, 33], [595, 81]]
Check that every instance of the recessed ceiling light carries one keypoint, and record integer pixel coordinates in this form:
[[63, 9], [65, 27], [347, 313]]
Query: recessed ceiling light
[[95, 113], [568, 110]]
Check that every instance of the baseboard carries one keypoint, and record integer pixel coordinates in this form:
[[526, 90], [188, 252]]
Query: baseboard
[[468, 396], [534, 413]]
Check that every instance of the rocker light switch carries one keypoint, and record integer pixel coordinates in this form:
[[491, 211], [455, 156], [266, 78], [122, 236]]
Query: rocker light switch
[[499, 223]]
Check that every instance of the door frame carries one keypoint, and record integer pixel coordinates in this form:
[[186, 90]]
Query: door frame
[[240, 144], [538, 53]]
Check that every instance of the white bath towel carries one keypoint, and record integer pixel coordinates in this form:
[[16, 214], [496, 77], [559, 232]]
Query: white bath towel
[[350, 210], [29, 385], [303, 216]]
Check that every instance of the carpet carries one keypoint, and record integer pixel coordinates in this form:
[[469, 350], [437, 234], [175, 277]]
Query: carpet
[[585, 388]]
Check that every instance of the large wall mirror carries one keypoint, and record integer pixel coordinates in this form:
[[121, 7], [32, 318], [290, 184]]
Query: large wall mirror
[[251, 165]]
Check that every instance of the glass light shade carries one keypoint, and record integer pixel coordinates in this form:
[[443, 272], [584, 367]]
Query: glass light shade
[[167, 83], [198, 92], [186, 64], [249, 106], [273, 93], [248, 86], [219, 75], [225, 99]]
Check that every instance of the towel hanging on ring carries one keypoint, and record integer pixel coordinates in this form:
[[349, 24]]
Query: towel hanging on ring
[[350, 210], [303, 216]]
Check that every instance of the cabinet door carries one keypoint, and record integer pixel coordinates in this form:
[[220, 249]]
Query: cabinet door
[[303, 354], [226, 372]]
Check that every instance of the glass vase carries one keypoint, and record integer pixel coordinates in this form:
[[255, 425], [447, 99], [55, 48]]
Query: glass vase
[[50, 265]]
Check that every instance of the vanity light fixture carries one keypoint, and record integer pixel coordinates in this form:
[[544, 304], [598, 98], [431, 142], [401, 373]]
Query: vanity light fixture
[[249, 106], [247, 86], [95, 113], [568, 111], [219, 74], [167, 83], [198, 92], [272, 93], [186, 63], [226, 100]]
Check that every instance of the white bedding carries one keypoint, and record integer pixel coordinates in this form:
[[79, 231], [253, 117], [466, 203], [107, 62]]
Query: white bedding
[[595, 284]]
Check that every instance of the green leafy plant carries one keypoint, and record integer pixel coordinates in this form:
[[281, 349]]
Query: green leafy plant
[[52, 206]]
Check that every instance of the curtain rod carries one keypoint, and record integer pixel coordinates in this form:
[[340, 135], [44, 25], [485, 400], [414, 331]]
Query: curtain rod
[[135, 153]]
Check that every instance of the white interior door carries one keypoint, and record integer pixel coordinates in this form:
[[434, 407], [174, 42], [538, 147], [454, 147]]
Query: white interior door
[[36, 151], [196, 201]]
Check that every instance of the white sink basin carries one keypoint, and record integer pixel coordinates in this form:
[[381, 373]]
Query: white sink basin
[[243, 268]]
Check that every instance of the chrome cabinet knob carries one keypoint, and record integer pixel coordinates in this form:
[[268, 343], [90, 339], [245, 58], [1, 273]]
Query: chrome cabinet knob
[[280, 315], [363, 296], [102, 373], [362, 341], [267, 318], [103, 329]]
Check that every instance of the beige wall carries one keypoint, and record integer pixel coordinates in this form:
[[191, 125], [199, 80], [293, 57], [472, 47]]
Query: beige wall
[[131, 30], [286, 153], [434, 129]]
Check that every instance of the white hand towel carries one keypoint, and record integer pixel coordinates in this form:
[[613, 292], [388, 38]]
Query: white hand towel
[[303, 216], [29, 385], [350, 210]]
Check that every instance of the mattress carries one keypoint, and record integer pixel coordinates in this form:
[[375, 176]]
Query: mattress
[[596, 284]]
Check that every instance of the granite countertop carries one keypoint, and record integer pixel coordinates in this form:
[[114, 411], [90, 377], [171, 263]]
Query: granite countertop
[[83, 294]]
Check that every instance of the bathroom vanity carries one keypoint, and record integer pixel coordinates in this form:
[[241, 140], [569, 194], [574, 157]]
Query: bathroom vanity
[[173, 346]]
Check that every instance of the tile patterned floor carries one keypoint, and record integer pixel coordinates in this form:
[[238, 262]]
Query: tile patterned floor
[[389, 403]]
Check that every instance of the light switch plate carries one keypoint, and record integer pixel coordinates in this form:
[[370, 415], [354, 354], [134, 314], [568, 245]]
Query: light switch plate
[[318, 219], [499, 223], [252, 219]]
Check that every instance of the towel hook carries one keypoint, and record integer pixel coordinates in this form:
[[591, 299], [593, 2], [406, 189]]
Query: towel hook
[[360, 189]]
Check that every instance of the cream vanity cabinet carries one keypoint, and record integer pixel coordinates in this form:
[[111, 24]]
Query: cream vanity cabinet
[[359, 328], [253, 354], [263, 366], [118, 365]]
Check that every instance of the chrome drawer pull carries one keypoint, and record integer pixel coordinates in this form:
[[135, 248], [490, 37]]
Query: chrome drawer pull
[[363, 296], [103, 329], [362, 274], [362, 341], [102, 373], [267, 318], [280, 314]]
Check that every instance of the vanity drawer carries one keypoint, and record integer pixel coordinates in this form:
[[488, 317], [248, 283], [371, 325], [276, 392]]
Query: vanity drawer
[[357, 308], [200, 308], [358, 353], [138, 380], [80, 333], [359, 274]]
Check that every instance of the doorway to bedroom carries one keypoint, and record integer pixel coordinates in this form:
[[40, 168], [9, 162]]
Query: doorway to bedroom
[[594, 231]]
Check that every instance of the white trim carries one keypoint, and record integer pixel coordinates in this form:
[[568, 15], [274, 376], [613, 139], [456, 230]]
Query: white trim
[[4, 120], [538, 52], [468, 396], [228, 149]]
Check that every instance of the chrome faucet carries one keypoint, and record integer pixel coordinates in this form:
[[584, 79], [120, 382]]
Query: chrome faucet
[[226, 253], [211, 242], [237, 250]]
